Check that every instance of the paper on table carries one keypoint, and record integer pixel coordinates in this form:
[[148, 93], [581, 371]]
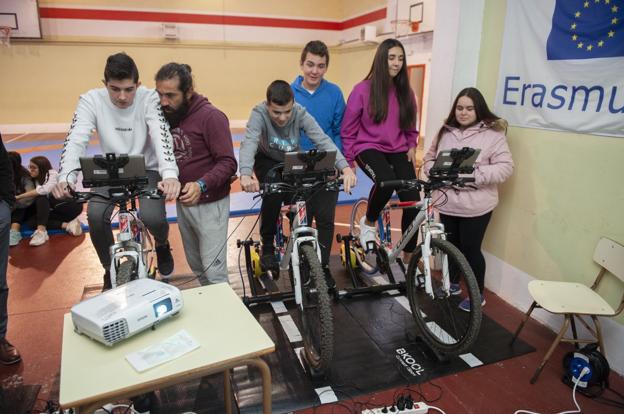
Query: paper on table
[[166, 350]]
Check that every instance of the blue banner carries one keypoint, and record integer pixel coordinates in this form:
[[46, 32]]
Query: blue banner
[[586, 29]]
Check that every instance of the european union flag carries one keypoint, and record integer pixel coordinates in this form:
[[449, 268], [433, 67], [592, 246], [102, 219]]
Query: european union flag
[[586, 29]]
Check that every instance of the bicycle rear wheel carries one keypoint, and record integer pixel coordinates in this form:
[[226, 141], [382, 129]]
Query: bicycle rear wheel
[[366, 262], [443, 326], [316, 313]]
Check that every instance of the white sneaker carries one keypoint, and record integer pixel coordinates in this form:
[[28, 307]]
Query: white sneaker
[[39, 237], [74, 227], [367, 234], [14, 237]]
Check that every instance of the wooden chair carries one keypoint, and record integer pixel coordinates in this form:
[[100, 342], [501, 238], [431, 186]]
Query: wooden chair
[[572, 300]]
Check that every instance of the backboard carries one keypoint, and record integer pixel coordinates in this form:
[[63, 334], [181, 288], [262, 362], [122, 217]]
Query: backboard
[[22, 16]]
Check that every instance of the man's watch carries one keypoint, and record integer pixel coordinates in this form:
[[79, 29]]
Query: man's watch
[[202, 185]]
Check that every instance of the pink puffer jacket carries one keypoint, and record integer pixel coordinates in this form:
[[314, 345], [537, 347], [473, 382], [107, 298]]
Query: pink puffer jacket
[[494, 165]]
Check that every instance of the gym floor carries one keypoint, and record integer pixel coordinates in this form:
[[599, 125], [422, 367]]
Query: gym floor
[[46, 281]]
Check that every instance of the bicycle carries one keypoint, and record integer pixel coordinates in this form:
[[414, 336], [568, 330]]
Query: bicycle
[[301, 258], [444, 327], [132, 256]]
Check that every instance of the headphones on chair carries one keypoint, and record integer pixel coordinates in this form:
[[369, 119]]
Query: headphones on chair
[[592, 368]]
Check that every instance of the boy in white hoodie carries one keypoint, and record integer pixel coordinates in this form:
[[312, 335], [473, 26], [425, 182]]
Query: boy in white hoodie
[[129, 120]]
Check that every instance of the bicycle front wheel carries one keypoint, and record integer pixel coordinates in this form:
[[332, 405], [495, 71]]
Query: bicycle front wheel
[[443, 326], [148, 254], [125, 271], [316, 313], [366, 262]]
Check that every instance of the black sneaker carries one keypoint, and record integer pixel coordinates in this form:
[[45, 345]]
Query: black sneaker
[[164, 259], [269, 263], [329, 279], [107, 285]]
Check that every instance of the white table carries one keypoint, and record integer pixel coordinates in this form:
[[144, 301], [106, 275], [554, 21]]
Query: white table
[[93, 374]]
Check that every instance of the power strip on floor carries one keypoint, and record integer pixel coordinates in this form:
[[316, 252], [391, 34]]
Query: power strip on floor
[[419, 408]]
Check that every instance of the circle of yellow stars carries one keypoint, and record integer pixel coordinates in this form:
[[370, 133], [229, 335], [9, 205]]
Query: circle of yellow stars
[[610, 34]]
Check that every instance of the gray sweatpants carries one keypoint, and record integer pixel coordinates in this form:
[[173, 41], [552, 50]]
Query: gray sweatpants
[[203, 228], [99, 213]]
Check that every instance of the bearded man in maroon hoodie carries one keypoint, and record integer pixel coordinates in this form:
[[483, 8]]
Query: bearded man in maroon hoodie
[[202, 144]]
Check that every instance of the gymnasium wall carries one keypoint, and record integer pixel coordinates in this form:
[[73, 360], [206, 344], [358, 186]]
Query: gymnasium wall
[[565, 194], [232, 63]]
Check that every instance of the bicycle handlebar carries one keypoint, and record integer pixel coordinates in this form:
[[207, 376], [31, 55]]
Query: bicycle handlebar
[[117, 194], [282, 187], [399, 183], [432, 184]]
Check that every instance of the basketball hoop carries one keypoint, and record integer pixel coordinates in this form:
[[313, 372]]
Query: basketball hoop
[[415, 26], [401, 27], [5, 36]]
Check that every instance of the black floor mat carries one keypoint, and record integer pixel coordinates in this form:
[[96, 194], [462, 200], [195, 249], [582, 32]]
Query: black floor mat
[[375, 348]]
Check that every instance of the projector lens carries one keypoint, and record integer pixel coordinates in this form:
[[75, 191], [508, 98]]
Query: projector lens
[[162, 307]]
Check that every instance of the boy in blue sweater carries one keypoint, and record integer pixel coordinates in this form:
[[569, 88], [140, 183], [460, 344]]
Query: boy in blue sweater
[[325, 102]]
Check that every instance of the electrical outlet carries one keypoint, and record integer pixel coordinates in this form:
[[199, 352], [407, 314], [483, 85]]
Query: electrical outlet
[[419, 408]]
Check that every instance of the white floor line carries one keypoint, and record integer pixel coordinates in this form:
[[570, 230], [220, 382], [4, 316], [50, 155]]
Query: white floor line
[[279, 307], [442, 335], [403, 301], [471, 360], [16, 138], [290, 328], [326, 395], [298, 352]]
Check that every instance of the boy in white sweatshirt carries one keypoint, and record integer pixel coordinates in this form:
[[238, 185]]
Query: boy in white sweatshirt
[[128, 120]]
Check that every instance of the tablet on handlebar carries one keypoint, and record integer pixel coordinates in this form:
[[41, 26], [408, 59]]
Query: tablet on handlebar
[[310, 165], [455, 161], [309, 161], [113, 170]]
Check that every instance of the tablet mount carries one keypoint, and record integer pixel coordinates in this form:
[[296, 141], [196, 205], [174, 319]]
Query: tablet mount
[[113, 164], [310, 158], [309, 173], [457, 165]]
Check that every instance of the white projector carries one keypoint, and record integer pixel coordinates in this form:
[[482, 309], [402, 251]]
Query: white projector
[[119, 313]]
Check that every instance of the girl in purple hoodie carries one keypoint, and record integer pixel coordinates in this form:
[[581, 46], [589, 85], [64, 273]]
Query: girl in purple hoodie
[[379, 133], [467, 211]]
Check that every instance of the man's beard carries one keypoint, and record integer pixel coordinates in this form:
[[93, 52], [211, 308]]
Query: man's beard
[[175, 117]]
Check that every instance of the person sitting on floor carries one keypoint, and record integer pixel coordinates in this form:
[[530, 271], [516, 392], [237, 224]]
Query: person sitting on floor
[[45, 211]]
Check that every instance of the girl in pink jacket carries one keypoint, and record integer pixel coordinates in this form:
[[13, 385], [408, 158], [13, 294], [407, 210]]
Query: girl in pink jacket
[[467, 211]]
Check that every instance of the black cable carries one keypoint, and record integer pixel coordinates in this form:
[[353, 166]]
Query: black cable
[[609, 402], [222, 247], [240, 271], [422, 395], [615, 392]]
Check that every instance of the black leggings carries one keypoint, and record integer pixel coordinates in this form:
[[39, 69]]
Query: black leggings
[[321, 205], [467, 233], [47, 211], [379, 167]]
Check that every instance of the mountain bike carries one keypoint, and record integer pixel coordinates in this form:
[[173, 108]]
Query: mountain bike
[[133, 254], [445, 328], [301, 258]]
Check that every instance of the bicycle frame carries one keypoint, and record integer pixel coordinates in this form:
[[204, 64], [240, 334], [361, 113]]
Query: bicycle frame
[[291, 252], [129, 244], [430, 228]]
